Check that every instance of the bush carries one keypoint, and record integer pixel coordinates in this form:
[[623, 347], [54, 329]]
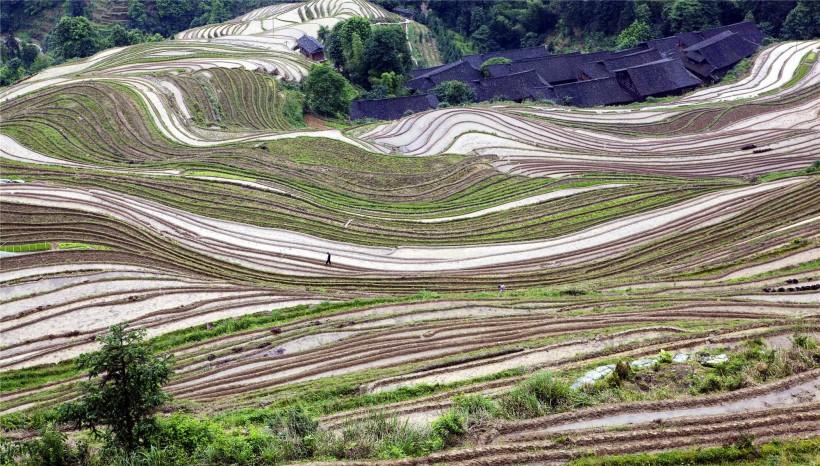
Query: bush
[[51, 449], [375, 437], [454, 92], [296, 430], [493, 61], [550, 392], [536, 396], [449, 428]]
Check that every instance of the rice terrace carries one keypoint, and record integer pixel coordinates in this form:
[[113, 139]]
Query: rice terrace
[[341, 232]]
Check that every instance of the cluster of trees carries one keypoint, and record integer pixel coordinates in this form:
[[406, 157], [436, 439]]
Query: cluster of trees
[[367, 54], [77, 36], [480, 26], [164, 17], [20, 59], [377, 59]]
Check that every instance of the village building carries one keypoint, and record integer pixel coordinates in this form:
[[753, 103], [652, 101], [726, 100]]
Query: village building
[[311, 48], [392, 108], [657, 68]]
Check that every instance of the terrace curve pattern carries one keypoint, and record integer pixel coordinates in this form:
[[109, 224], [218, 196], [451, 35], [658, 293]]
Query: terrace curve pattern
[[168, 185]]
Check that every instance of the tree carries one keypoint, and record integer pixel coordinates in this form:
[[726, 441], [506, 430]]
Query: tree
[[689, 15], [483, 39], [636, 33], [29, 53], [75, 36], [327, 92], [386, 51], [12, 47], [801, 23], [137, 16], [391, 83], [454, 93], [123, 389]]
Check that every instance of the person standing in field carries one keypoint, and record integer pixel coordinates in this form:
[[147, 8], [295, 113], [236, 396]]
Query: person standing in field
[[327, 262]]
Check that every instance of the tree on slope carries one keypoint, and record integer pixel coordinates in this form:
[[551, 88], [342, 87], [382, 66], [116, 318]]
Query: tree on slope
[[123, 389], [328, 92], [75, 36], [690, 15], [802, 22]]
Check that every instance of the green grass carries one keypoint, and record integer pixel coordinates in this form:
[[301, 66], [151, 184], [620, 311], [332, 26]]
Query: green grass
[[218, 175], [774, 453], [26, 247]]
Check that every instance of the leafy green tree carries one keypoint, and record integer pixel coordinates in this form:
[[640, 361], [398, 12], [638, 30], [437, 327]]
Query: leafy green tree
[[12, 72], [327, 92], [483, 39], [386, 51], [454, 93], [137, 16], [12, 49], [532, 39], [339, 41], [175, 15], [29, 53], [636, 33], [210, 12], [689, 15], [40, 63], [802, 23], [477, 18], [75, 36], [123, 389], [392, 83]]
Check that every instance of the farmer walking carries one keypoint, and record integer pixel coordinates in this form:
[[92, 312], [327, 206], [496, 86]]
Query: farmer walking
[[327, 262]]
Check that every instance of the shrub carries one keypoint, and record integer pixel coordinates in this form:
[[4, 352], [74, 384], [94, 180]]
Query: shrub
[[454, 92], [493, 61], [805, 342], [621, 373], [449, 428], [549, 391], [51, 449], [296, 429], [378, 436], [665, 356], [536, 396], [519, 404]]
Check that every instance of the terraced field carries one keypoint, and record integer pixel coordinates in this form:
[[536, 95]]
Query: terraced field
[[172, 186]]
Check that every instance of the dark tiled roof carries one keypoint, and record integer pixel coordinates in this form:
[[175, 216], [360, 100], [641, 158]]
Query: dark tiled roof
[[663, 77], [393, 108], [310, 44], [606, 91], [554, 69], [423, 71], [747, 30], [717, 53], [518, 86], [633, 59], [528, 53], [459, 71], [669, 46], [594, 70]]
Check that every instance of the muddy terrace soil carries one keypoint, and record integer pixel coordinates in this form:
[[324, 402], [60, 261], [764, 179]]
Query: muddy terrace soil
[[618, 234]]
